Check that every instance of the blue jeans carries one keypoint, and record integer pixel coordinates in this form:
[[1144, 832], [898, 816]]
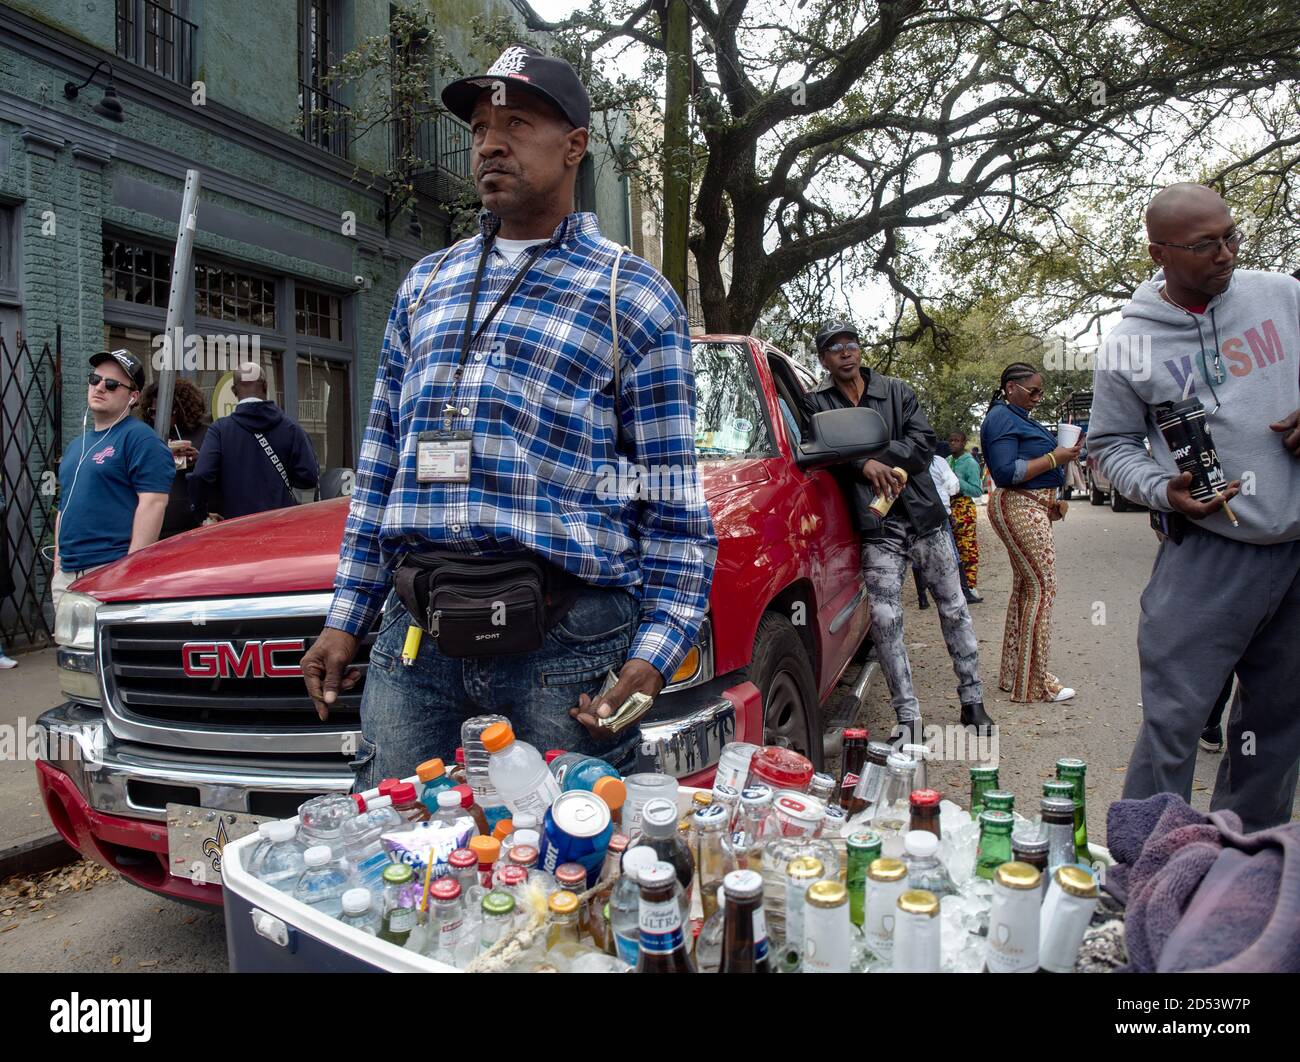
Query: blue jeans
[[411, 714]]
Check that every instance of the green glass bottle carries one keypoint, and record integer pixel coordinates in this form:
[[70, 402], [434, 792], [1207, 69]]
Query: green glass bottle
[[1073, 770], [399, 904], [999, 800], [982, 779], [995, 842], [863, 847], [1054, 787]]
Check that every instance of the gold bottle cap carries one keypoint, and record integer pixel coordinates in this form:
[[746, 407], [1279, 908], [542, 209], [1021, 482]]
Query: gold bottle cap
[[827, 894], [1076, 881], [919, 901], [887, 870], [702, 799], [563, 902], [805, 868], [1018, 876]]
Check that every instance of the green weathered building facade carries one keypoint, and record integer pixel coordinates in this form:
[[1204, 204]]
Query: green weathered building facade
[[290, 250]]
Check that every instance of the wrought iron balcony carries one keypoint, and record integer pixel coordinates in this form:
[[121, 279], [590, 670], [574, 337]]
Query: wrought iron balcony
[[325, 120], [151, 35], [439, 147]]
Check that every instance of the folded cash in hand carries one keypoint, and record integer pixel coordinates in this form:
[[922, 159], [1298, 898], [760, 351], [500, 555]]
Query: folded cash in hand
[[628, 712]]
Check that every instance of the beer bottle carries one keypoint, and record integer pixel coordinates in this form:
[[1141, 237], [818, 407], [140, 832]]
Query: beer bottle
[[1032, 851], [399, 904], [1058, 825], [1064, 918], [714, 857], [744, 933], [596, 925], [1069, 769], [874, 771], [663, 944], [863, 847], [827, 943], [1054, 787], [982, 779], [994, 844], [1013, 922], [999, 800], [802, 872], [925, 811], [853, 758]]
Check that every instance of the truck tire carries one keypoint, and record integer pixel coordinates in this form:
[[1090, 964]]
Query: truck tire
[[1118, 503], [1097, 497], [781, 670]]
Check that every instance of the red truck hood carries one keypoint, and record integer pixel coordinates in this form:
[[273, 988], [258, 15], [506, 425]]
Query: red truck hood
[[297, 550]]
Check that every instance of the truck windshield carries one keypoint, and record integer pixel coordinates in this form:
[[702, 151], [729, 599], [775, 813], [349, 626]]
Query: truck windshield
[[729, 420]]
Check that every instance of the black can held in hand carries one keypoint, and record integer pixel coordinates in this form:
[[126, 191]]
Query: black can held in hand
[[1188, 437]]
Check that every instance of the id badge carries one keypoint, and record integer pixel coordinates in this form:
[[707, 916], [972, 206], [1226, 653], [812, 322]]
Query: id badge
[[443, 456]]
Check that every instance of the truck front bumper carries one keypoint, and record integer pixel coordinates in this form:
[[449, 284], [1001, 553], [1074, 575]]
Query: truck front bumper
[[108, 798]]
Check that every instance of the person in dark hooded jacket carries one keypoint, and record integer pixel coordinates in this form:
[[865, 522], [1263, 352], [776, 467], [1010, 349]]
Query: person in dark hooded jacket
[[251, 460]]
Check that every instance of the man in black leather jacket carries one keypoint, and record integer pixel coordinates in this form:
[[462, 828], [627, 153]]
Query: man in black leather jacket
[[914, 531]]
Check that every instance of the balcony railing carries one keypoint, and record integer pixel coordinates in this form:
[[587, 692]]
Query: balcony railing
[[440, 144], [325, 120], [151, 35], [694, 308]]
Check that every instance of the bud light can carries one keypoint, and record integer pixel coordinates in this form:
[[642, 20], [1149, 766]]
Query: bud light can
[[576, 829]]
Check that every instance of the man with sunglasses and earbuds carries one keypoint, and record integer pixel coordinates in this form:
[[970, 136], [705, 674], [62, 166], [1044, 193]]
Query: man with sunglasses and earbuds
[[1222, 594], [113, 480]]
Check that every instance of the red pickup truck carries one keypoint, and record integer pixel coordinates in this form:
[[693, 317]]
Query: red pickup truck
[[180, 662]]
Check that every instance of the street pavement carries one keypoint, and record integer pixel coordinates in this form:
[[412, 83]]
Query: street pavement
[[25, 692], [1103, 562]]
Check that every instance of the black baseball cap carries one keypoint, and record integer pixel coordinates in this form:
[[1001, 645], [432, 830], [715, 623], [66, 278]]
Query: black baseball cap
[[523, 65], [835, 328], [129, 362]]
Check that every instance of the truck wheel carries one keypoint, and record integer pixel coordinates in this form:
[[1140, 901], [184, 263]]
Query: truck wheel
[[1118, 503], [1097, 497], [781, 670]]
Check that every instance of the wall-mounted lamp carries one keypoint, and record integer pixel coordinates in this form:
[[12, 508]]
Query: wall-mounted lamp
[[110, 106]]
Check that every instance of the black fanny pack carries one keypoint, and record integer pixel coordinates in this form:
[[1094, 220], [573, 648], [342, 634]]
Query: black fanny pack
[[484, 606]]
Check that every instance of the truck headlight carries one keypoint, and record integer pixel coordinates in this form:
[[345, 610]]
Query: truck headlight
[[74, 625]]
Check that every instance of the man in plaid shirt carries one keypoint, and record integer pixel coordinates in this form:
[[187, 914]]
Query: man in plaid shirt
[[548, 468]]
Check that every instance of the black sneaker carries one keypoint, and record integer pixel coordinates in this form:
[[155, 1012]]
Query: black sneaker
[[972, 598], [1212, 739], [922, 601]]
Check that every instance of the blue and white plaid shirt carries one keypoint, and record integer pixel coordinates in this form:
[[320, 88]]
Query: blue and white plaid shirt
[[538, 389]]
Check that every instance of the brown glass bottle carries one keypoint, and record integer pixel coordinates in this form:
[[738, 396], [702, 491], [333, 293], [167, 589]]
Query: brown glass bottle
[[744, 933], [854, 757], [663, 943], [925, 811]]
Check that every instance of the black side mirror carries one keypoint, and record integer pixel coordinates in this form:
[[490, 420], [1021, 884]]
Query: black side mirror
[[840, 436]]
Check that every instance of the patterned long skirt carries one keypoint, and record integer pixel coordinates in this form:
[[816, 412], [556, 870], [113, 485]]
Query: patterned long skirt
[[968, 545], [1025, 530]]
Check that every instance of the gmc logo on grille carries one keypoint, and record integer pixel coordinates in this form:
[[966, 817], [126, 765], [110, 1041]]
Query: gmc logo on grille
[[208, 660]]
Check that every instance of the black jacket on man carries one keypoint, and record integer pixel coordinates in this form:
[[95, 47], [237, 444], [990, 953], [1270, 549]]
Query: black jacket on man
[[911, 448], [235, 476]]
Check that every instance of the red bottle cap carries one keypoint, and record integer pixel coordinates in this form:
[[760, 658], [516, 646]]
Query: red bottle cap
[[466, 795], [925, 798], [552, 754], [403, 793], [460, 757], [462, 859], [781, 768], [512, 875], [446, 888], [360, 802], [855, 733], [386, 786]]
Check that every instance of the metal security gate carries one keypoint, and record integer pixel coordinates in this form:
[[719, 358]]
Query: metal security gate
[[31, 443]]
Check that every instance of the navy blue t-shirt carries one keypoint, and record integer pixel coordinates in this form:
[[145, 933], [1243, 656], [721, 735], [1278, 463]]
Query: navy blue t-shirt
[[96, 517]]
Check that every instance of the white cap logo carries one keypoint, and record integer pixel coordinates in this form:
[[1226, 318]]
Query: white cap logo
[[512, 61]]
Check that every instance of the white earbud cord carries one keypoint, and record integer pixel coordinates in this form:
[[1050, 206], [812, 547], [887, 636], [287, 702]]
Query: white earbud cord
[[85, 450]]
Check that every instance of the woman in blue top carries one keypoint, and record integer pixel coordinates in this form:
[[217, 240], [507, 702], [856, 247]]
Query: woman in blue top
[[1028, 467]]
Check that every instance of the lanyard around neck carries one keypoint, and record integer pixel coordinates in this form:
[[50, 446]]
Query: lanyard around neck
[[471, 335]]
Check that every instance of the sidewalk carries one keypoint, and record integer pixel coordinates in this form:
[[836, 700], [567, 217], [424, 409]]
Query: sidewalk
[[25, 692]]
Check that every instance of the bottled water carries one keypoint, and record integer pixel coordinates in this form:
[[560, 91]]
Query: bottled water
[[359, 911], [363, 851], [321, 819], [924, 871], [254, 864], [476, 766], [518, 773], [281, 863], [323, 883], [449, 809], [625, 903]]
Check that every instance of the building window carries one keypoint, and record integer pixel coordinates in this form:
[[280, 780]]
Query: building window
[[324, 117], [133, 273], [325, 410], [318, 314], [226, 294], [152, 34]]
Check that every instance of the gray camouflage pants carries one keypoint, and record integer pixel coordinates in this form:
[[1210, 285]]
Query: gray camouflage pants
[[884, 565]]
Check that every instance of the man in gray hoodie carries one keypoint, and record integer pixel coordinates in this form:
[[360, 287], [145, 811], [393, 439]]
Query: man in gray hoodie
[[1228, 594]]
